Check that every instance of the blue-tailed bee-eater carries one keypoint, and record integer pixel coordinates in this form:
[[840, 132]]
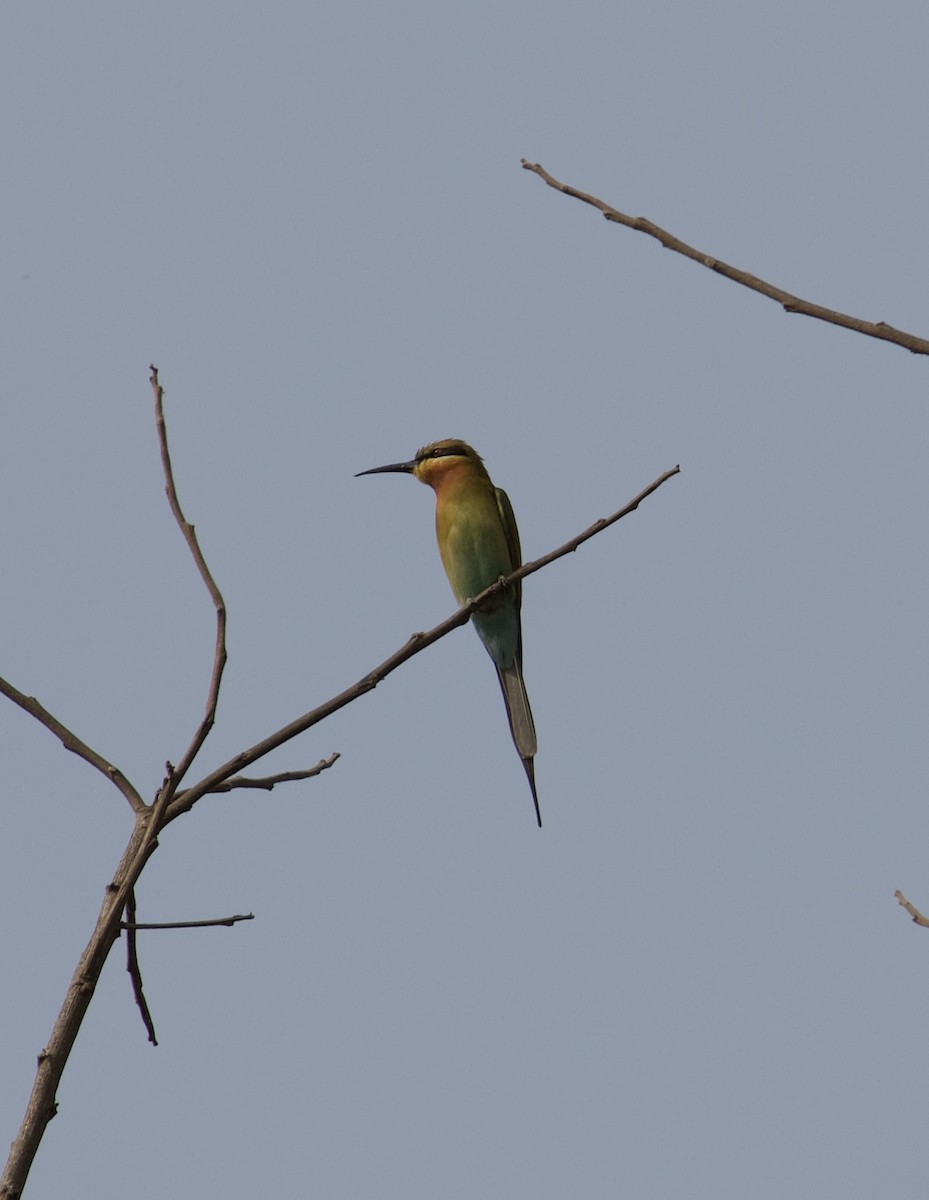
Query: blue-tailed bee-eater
[[479, 544]]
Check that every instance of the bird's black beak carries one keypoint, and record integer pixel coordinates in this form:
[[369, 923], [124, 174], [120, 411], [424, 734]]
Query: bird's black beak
[[406, 468]]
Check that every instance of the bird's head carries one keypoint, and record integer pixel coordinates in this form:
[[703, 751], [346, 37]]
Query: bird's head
[[436, 462]]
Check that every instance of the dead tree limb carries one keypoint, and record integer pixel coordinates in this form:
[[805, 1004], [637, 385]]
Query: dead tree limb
[[170, 803], [789, 302]]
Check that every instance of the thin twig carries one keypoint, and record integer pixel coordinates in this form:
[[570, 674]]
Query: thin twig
[[190, 537], [268, 782], [72, 742], [135, 971], [604, 523], [791, 303], [185, 924], [914, 912], [184, 801]]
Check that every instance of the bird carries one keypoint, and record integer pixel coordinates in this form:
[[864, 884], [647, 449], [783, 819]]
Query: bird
[[479, 544]]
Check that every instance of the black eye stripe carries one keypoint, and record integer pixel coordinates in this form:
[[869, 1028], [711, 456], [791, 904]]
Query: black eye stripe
[[441, 452]]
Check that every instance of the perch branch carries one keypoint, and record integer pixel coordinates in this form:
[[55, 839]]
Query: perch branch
[[418, 642], [790, 303]]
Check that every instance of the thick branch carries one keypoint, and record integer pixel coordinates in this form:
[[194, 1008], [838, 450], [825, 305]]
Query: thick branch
[[190, 537], [72, 742], [42, 1104], [791, 303], [184, 801]]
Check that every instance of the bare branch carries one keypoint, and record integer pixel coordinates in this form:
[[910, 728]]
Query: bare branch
[[150, 821], [72, 742], [190, 537], [914, 912], [135, 971], [42, 1104], [268, 782], [187, 924], [604, 523], [790, 303], [418, 642]]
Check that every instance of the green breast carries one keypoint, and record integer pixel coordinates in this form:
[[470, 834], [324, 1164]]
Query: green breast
[[475, 554]]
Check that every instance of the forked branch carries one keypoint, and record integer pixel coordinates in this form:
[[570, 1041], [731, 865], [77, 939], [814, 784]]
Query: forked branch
[[169, 803]]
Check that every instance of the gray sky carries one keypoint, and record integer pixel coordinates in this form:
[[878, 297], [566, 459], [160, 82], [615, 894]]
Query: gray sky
[[694, 981]]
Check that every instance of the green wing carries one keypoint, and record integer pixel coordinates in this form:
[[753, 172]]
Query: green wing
[[512, 537]]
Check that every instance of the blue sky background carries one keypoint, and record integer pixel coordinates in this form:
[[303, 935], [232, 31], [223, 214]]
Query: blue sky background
[[694, 981]]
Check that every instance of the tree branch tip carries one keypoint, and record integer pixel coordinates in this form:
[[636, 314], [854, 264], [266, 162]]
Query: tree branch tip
[[789, 303], [917, 917]]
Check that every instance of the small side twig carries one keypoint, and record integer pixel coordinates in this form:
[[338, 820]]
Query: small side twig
[[789, 302], [131, 926], [228, 921], [190, 537], [269, 782], [914, 912], [135, 971]]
